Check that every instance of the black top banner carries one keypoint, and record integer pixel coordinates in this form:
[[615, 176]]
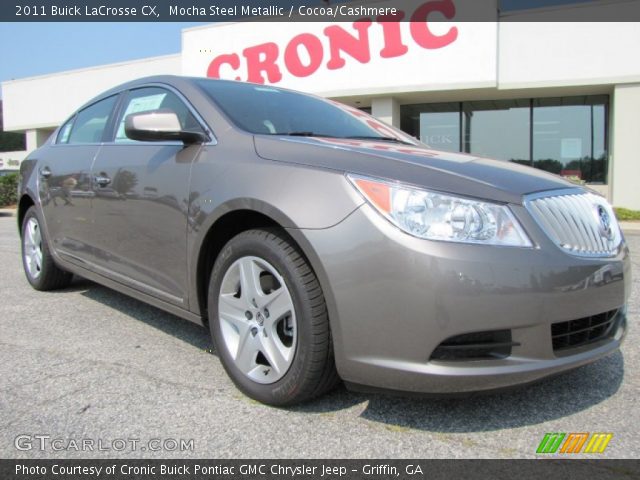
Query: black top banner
[[317, 10]]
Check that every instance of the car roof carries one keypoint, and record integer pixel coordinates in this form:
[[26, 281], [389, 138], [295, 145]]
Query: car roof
[[176, 81]]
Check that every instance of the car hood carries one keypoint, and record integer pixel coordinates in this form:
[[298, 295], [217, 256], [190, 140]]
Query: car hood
[[416, 165]]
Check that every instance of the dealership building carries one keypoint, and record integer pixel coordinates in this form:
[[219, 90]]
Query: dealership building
[[560, 96]]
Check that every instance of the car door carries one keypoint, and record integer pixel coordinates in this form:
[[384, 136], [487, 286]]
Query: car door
[[141, 199], [65, 187]]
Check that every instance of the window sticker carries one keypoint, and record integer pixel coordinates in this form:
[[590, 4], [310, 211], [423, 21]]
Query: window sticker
[[137, 105], [63, 137]]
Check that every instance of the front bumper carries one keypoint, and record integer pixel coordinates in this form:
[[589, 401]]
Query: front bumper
[[393, 299]]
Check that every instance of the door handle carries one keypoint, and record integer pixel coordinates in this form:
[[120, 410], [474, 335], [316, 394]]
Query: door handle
[[45, 172], [102, 180]]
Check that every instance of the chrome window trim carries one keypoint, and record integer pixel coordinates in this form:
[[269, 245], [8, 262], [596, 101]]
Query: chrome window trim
[[203, 124]]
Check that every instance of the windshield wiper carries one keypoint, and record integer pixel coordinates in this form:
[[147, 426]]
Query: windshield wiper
[[351, 137], [380, 139]]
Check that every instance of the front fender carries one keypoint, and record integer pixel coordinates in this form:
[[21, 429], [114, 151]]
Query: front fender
[[293, 196]]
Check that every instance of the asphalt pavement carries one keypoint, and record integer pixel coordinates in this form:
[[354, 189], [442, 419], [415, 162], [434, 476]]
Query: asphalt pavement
[[87, 367]]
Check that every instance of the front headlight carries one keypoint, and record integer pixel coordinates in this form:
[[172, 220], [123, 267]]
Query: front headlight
[[436, 216]]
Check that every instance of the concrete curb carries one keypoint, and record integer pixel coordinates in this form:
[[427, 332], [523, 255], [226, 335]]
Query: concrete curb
[[630, 227]]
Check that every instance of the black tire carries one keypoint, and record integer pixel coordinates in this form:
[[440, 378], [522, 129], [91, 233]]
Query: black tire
[[50, 276], [312, 371]]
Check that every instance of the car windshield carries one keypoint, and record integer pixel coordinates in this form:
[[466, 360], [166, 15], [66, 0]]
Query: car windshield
[[262, 109]]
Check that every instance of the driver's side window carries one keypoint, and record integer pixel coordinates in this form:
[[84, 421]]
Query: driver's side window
[[154, 98]]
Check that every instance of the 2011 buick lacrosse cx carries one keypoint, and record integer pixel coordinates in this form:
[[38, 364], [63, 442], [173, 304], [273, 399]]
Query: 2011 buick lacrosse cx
[[319, 244]]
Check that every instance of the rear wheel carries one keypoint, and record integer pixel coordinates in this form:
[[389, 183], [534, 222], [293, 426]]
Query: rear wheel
[[268, 319], [39, 266]]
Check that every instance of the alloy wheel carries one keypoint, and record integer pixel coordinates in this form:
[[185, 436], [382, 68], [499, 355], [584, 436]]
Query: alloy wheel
[[32, 250], [257, 319]]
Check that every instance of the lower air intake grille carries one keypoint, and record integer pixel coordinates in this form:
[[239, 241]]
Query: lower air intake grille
[[583, 331], [475, 346]]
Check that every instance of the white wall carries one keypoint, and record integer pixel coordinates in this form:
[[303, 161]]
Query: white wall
[[556, 54], [37, 137], [386, 109], [624, 146], [46, 101], [11, 160]]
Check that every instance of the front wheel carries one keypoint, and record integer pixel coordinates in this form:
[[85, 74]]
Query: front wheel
[[268, 319], [39, 266]]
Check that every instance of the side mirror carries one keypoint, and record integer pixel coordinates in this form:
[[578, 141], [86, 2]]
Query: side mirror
[[158, 126]]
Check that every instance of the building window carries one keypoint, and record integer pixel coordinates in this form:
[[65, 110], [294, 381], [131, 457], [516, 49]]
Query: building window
[[497, 129], [436, 124], [10, 141], [515, 5], [569, 137], [565, 135]]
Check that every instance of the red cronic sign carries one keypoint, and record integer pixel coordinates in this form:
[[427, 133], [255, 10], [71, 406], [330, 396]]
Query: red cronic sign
[[266, 61]]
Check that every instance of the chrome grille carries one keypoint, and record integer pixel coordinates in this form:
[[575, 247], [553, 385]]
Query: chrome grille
[[581, 223]]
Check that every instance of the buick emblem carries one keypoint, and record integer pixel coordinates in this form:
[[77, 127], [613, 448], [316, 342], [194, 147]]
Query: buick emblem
[[604, 222]]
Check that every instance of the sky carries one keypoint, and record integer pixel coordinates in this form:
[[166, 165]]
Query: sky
[[29, 49]]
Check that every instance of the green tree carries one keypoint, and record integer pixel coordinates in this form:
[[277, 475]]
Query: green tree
[[8, 189]]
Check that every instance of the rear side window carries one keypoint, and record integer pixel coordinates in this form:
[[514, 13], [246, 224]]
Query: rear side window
[[90, 123], [154, 98]]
